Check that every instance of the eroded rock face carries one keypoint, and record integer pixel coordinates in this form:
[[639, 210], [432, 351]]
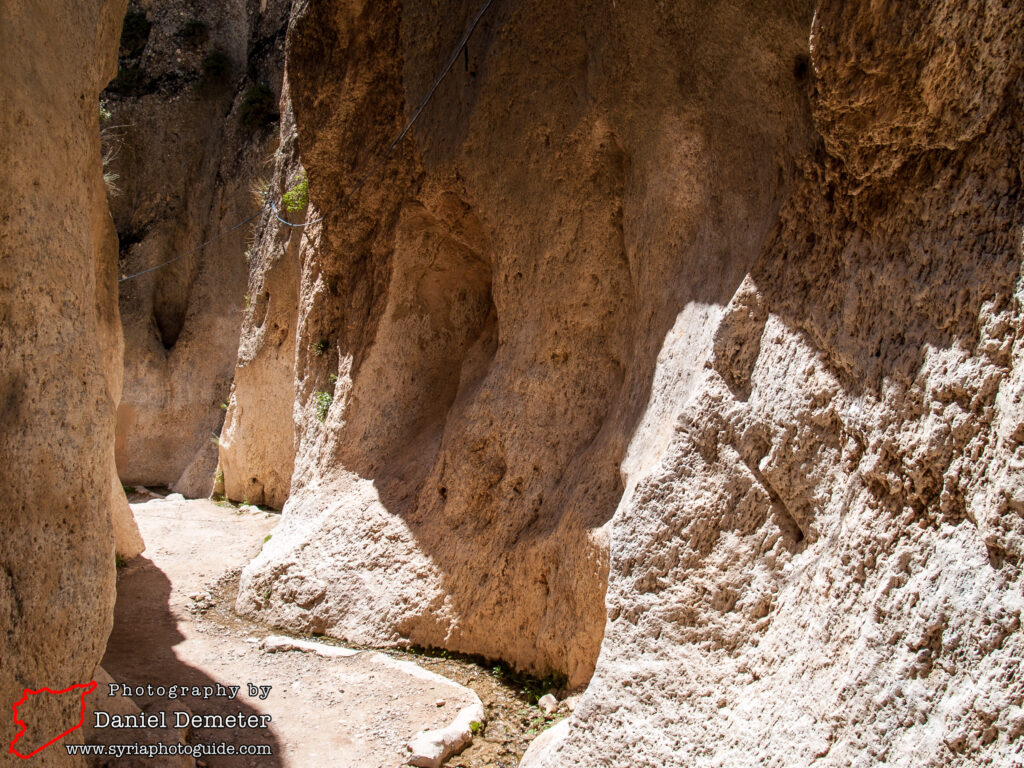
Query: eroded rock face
[[823, 566], [192, 120], [257, 444], [729, 299], [480, 327], [60, 350]]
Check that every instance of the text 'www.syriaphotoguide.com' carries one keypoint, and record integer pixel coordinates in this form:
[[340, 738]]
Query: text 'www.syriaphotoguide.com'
[[156, 750]]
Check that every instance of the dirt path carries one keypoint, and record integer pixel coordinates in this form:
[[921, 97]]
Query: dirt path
[[175, 625], [171, 628]]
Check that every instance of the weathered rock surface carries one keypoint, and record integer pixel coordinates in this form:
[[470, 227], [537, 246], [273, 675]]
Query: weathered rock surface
[[484, 319], [257, 444], [59, 358], [822, 566], [749, 278], [192, 115]]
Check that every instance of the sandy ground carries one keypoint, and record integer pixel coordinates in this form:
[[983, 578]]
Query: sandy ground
[[174, 626]]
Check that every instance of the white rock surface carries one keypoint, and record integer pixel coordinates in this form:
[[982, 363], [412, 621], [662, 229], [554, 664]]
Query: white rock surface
[[431, 748], [278, 643], [548, 703]]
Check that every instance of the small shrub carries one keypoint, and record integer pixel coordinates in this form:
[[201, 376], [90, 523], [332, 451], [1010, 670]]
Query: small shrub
[[319, 348], [134, 33], [216, 66], [258, 188], [323, 405], [259, 107], [297, 198], [194, 32], [475, 726]]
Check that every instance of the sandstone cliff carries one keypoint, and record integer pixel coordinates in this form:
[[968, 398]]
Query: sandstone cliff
[[192, 123], [257, 444], [822, 564], [717, 307], [60, 347], [485, 333]]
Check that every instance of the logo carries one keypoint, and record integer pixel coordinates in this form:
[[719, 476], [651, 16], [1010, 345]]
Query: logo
[[85, 688]]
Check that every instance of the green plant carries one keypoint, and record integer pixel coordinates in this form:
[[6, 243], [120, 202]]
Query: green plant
[[194, 32], [297, 198], [474, 726], [104, 112], [259, 188], [134, 33], [259, 107], [323, 404], [219, 477], [223, 407], [267, 538], [319, 348]]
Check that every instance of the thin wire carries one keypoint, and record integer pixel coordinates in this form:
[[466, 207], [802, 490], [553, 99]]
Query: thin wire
[[199, 247], [378, 161]]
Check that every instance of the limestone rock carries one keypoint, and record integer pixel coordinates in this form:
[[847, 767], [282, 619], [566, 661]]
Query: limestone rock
[[278, 643], [128, 541], [59, 356], [548, 703], [545, 741], [429, 749], [187, 148], [719, 309], [478, 328], [822, 565], [257, 444]]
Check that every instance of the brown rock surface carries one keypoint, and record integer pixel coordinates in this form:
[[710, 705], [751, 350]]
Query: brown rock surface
[[485, 319], [186, 149], [823, 565], [257, 444], [59, 354], [750, 282]]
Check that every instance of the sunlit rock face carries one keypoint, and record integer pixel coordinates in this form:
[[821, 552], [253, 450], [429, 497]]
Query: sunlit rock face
[[60, 352]]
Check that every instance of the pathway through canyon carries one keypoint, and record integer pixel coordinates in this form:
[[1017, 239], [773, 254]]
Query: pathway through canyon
[[175, 625]]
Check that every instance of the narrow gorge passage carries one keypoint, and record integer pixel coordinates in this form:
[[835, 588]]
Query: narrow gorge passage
[[672, 353], [174, 625]]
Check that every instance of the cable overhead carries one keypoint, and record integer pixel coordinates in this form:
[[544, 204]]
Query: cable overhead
[[375, 165], [379, 160], [199, 247]]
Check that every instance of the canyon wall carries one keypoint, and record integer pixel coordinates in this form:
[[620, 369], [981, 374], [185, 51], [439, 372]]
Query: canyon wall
[[257, 444], [191, 128], [822, 566], [676, 345], [478, 338], [60, 350]]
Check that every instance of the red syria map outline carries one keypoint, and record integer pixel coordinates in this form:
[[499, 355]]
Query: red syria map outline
[[88, 688]]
